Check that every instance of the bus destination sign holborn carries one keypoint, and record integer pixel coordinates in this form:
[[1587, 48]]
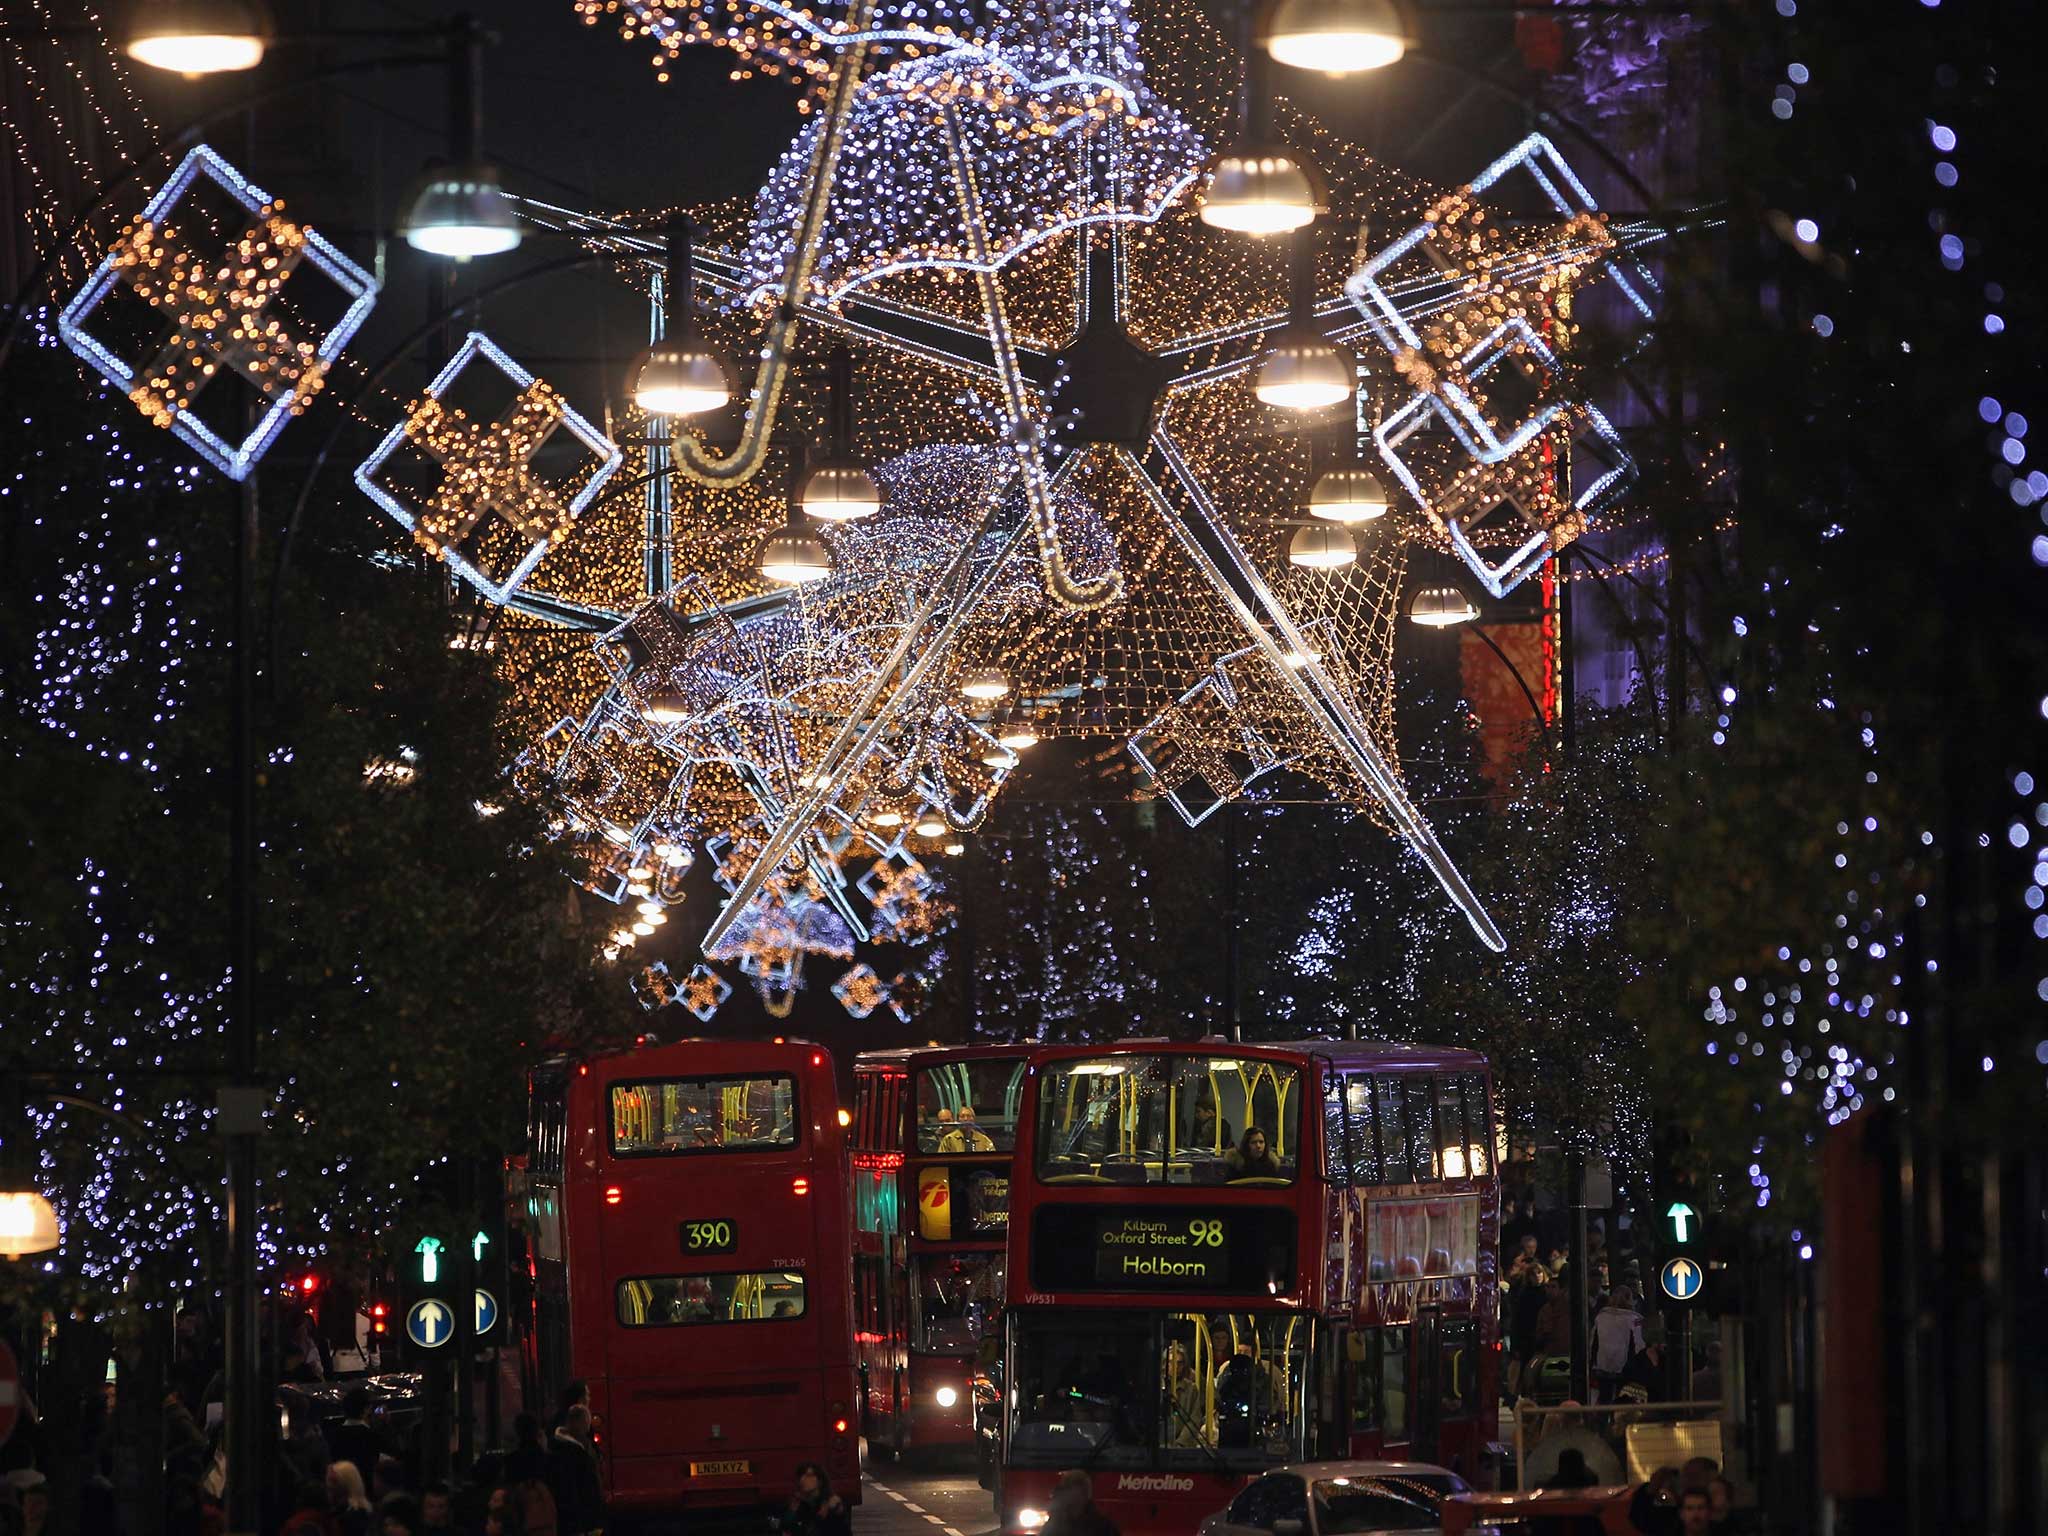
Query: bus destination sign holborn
[[1162, 1248]]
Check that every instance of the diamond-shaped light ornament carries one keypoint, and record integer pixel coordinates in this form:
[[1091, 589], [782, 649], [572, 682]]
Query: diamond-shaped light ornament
[[487, 473], [704, 991], [860, 991], [221, 305], [1485, 363]]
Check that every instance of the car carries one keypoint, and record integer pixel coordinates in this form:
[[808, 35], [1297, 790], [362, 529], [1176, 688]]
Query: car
[[1541, 1509], [1339, 1498]]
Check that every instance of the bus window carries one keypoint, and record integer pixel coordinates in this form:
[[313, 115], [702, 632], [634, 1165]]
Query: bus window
[[1166, 1119], [1464, 1156], [959, 1295], [1362, 1369], [1336, 1160], [1394, 1385], [703, 1114], [1422, 1127], [1232, 1382], [1083, 1393], [1459, 1346], [1394, 1165], [1479, 1128], [969, 1106], [668, 1300], [1358, 1119]]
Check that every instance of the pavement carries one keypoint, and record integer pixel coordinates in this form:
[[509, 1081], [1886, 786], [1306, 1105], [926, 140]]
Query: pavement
[[910, 1499]]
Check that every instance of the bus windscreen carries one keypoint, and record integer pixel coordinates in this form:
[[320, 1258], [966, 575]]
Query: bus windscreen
[[1169, 1120], [703, 1114], [1135, 1389]]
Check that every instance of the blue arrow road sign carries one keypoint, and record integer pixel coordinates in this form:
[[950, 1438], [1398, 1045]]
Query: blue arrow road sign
[[486, 1311], [1680, 1278], [429, 1323]]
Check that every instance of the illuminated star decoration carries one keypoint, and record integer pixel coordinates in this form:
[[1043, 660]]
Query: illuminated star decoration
[[225, 314], [1492, 351], [486, 472], [1118, 434]]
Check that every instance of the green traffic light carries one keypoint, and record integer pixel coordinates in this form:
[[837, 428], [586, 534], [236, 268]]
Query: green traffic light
[[1684, 1221], [429, 1249]]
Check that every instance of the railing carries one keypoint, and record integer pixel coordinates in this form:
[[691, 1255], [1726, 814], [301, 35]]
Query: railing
[[1622, 1442]]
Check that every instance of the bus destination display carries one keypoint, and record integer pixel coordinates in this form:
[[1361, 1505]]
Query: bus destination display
[[719, 1234], [1218, 1250], [1163, 1248]]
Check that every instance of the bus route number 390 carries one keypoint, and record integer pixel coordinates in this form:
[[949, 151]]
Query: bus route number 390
[[718, 1234]]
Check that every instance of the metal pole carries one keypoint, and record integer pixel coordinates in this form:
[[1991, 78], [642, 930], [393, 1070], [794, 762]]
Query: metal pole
[[1582, 1376], [244, 1384], [467, 1282], [1231, 1025]]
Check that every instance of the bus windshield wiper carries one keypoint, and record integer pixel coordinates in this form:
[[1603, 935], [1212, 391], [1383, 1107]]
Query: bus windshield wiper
[[1215, 1456]]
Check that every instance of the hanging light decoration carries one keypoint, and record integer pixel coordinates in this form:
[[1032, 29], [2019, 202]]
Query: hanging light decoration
[[663, 703], [199, 37], [1302, 372], [674, 376], [1017, 733], [1440, 604], [28, 1223], [1321, 547], [1260, 191], [985, 684], [929, 823], [838, 490], [460, 210], [1336, 37], [793, 555], [1350, 494]]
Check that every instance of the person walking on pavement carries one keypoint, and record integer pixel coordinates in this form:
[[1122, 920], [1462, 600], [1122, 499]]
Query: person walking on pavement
[[347, 1503], [814, 1509], [572, 1476], [1617, 1337], [1073, 1510], [352, 1440], [525, 1476]]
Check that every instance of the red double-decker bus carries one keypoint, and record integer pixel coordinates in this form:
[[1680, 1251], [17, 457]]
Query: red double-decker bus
[[689, 1245], [1188, 1307], [933, 1130]]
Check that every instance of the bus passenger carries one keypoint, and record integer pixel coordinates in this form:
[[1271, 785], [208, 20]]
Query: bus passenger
[[965, 1136], [1252, 1158]]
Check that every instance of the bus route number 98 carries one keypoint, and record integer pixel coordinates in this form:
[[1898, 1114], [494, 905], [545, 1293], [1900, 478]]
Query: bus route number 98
[[716, 1235]]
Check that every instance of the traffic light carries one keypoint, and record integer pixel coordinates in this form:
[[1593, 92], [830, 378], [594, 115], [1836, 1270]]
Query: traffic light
[[380, 1319], [1682, 1224]]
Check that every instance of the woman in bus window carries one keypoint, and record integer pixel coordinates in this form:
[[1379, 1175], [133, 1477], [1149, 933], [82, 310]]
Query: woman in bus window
[[1252, 1158]]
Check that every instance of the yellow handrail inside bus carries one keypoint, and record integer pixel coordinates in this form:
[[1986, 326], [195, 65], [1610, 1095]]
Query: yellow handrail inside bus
[[638, 1296]]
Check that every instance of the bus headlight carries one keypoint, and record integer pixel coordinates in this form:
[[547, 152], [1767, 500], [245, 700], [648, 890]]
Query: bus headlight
[[946, 1397], [1031, 1519]]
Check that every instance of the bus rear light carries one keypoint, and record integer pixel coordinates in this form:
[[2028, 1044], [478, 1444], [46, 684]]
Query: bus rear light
[[817, 1058], [583, 1069], [613, 1194], [840, 1426], [799, 1186]]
